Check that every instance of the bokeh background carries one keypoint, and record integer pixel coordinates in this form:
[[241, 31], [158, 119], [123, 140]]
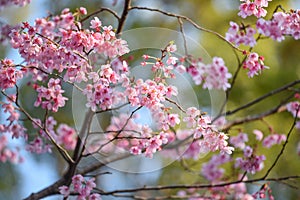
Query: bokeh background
[[38, 171]]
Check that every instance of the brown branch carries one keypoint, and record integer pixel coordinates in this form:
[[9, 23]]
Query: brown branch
[[188, 20], [118, 132], [99, 11], [85, 129], [197, 186], [53, 74], [283, 146], [50, 190], [183, 36], [123, 16], [98, 165], [176, 104], [60, 149], [255, 117], [271, 93]]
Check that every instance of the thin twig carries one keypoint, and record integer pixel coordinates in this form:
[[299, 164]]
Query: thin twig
[[188, 20], [255, 101], [283, 146], [123, 16], [183, 36], [250, 118], [197, 186], [61, 150], [99, 11]]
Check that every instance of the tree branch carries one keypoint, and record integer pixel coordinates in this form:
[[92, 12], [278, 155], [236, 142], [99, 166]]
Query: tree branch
[[271, 93], [188, 20], [124, 16]]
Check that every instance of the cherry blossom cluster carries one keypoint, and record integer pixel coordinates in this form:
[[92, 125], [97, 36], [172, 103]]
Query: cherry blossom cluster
[[254, 64], [38, 146], [82, 187], [150, 146], [212, 76], [210, 139], [280, 25], [58, 44], [241, 35], [273, 139], [239, 141], [205, 137], [149, 94], [7, 153], [9, 74], [101, 93], [261, 194], [138, 139], [159, 66], [253, 7], [211, 170], [250, 162], [5, 30], [50, 98], [63, 135], [234, 191], [4, 3], [11, 128], [294, 108]]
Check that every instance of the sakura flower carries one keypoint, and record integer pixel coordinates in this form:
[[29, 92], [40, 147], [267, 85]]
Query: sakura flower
[[239, 140], [51, 98], [255, 8], [240, 36], [80, 186], [273, 139], [254, 63], [250, 164], [66, 136], [173, 119], [281, 25], [171, 48], [294, 108], [211, 170], [9, 74], [64, 190], [213, 76], [258, 134], [82, 10]]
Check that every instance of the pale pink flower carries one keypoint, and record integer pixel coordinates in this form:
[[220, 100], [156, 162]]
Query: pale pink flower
[[96, 23]]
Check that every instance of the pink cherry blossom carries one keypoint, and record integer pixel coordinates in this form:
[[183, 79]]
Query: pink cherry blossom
[[4, 3], [9, 74], [38, 146], [255, 64], [258, 134], [281, 25], [96, 23], [51, 98], [239, 140], [212, 170], [251, 164], [255, 8], [213, 76], [273, 139], [64, 190], [294, 108], [66, 136], [81, 186], [238, 36]]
